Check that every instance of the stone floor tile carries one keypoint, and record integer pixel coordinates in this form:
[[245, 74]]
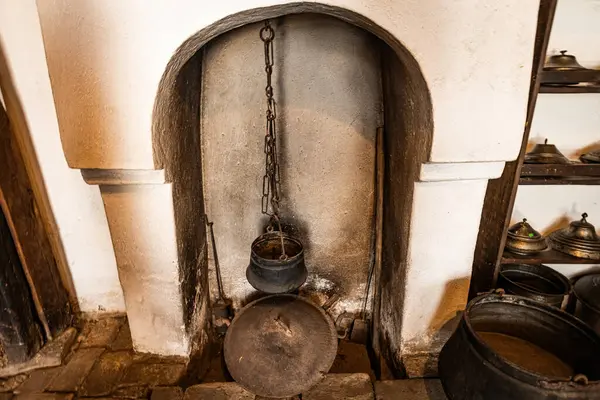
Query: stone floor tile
[[147, 358], [46, 396], [51, 355], [11, 383], [132, 392], [167, 393], [72, 375], [38, 380], [217, 391], [352, 358], [101, 332], [123, 339], [106, 374], [342, 386], [154, 374], [414, 389]]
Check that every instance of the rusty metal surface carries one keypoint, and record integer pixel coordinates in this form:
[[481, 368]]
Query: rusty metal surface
[[280, 346]]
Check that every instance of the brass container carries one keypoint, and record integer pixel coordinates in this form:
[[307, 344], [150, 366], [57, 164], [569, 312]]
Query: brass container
[[545, 154], [593, 157], [563, 62], [579, 239], [523, 239]]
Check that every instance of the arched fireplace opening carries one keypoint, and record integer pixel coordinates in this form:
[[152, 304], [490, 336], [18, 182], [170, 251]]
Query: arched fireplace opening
[[209, 117]]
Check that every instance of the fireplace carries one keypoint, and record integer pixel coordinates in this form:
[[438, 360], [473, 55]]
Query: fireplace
[[183, 139], [335, 84]]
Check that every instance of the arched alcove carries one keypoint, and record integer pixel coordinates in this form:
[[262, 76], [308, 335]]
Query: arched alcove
[[177, 144]]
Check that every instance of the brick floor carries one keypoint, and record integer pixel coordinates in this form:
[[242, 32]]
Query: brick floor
[[103, 365]]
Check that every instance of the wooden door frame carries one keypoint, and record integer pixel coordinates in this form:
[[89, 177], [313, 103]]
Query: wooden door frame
[[31, 234]]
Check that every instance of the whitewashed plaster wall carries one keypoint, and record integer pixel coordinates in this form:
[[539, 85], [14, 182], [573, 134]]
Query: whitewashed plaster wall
[[79, 217], [327, 86], [572, 122], [106, 59], [110, 56]]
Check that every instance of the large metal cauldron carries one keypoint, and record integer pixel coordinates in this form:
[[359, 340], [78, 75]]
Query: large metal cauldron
[[586, 300], [538, 282], [509, 347]]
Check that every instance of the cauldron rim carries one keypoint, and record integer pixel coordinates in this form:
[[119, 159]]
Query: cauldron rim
[[276, 263], [541, 271], [514, 369]]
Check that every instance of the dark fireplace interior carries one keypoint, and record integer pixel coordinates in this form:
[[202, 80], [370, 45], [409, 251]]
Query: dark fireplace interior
[[337, 78]]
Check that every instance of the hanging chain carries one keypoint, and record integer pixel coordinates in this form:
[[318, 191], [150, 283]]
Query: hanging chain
[[270, 186], [270, 199]]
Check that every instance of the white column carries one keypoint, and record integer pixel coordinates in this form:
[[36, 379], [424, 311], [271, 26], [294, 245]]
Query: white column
[[443, 233], [142, 227]]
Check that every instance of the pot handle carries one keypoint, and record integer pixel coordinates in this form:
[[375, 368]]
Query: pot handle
[[580, 379]]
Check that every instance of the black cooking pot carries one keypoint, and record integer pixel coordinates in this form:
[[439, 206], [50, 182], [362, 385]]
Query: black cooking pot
[[271, 273], [538, 282], [586, 300], [510, 347]]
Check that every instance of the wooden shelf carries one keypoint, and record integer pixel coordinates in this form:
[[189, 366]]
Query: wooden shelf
[[560, 174], [546, 257], [589, 81], [559, 181], [570, 89], [591, 76]]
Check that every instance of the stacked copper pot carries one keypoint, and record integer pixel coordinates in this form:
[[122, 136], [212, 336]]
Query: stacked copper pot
[[579, 239]]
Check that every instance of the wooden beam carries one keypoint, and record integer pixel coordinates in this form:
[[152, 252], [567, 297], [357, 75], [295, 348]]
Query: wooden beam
[[20, 335], [500, 196], [30, 235]]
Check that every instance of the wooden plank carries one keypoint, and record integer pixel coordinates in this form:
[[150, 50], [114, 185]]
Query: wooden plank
[[31, 237], [501, 192], [545, 257], [20, 336], [570, 89], [379, 185], [575, 180], [561, 170], [566, 77], [560, 174]]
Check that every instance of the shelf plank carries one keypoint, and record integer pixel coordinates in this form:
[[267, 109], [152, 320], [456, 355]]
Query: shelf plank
[[570, 89], [560, 174], [549, 256], [540, 180], [566, 77], [576, 169]]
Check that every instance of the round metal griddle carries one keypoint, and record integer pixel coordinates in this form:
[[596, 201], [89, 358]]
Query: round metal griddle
[[280, 346]]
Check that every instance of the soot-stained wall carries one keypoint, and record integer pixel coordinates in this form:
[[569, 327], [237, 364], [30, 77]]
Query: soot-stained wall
[[327, 85]]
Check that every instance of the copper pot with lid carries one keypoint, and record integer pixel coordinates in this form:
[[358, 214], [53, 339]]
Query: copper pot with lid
[[563, 62], [523, 239], [593, 157], [545, 154], [579, 239]]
